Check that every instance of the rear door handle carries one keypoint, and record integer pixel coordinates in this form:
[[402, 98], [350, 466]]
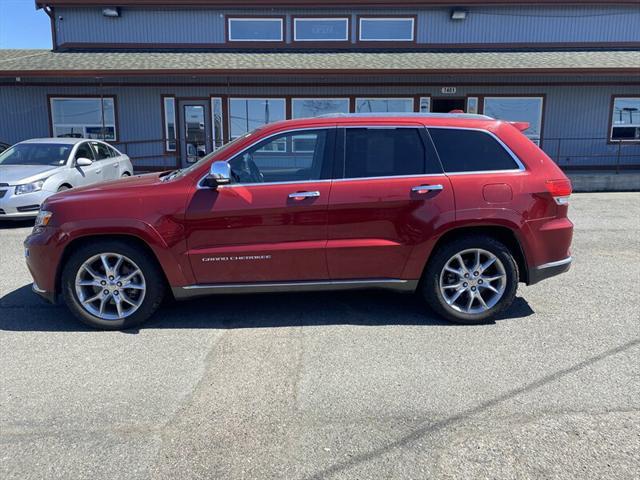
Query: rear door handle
[[427, 188], [98, 171], [304, 194]]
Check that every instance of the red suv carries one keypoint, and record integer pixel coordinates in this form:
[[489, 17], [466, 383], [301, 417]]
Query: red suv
[[457, 207]]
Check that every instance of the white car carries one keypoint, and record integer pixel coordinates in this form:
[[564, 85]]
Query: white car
[[31, 171]]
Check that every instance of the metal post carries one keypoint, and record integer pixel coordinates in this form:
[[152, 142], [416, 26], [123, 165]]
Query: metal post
[[619, 154], [558, 152]]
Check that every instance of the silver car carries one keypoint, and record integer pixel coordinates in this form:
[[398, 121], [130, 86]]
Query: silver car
[[30, 171]]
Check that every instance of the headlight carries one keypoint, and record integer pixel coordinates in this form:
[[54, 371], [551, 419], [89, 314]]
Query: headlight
[[43, 219], [29, 187]]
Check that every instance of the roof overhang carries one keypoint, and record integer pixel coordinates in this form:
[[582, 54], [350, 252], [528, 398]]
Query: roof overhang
[[44, 63], [316, 4]]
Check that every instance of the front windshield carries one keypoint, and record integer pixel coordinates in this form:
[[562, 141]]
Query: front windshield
[[36, 154]]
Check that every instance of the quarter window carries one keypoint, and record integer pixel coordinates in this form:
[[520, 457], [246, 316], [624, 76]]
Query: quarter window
[[625, 124], [384, 105], [291, 157], [321, 29], [255, 29], [383, 152], [386, 29], [84, 117], [470, 151], [517, 109]]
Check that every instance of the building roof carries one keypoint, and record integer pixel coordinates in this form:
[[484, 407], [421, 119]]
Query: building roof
[[44, 63]]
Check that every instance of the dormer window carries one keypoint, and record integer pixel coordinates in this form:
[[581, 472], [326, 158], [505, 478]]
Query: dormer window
[[254, 29], [321, 29], [388, 29]]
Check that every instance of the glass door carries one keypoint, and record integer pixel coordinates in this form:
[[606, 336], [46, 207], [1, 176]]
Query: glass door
[[196, 128]]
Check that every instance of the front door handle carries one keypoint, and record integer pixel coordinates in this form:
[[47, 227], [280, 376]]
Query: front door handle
[[427, 188], [300, 195]]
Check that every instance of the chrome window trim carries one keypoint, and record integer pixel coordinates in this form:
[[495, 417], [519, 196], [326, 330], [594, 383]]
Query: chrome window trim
[[390, 177], [347, 32], [521, 167], [275, 134]]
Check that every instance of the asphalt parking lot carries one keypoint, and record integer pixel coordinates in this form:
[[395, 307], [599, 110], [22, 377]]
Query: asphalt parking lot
[[348, 385]]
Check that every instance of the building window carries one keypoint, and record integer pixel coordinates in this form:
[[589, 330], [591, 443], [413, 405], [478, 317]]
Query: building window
[[321, 29], [386, 29], [255, 29], [472, 105], [425, 104], [315, 107], [247, 114], [216, 123], [84, 117], [625, 124], [517, 109], [170, 124], [384, 105]]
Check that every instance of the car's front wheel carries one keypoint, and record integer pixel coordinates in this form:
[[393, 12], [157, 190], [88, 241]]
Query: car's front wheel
[[471, 280], [112, 284]]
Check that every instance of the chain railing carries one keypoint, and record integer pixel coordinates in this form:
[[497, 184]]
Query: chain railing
[[593, 153]]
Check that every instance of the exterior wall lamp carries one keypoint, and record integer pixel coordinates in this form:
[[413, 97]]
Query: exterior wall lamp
[[458, 14]]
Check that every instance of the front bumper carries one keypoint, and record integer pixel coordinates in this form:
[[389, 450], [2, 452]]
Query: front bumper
[[548, 270], [23, 206], [48, 296]]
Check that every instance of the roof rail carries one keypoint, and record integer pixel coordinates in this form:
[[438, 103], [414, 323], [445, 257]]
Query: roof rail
[[411, 114]]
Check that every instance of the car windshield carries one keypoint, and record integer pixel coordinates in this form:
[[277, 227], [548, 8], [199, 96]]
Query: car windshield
[[36, 154]]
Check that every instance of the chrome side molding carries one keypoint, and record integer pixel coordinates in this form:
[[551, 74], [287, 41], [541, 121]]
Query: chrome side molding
[[191, 291], [564, 261]]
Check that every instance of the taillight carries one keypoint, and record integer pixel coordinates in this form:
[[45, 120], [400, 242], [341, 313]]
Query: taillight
[[560, 190]]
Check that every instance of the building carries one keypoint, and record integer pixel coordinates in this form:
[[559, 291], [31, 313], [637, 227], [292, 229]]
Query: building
[[168, 81]]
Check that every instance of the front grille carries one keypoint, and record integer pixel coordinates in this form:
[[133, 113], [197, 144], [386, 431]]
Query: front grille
[[2, 193], [29, 208]]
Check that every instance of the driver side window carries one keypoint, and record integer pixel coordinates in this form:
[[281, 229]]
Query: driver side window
[[289, 157], [84, 151]]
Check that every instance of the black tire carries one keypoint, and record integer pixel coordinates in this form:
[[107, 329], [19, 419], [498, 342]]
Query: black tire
[[125, 175], [64, 188], [153, 276], [430, 285]]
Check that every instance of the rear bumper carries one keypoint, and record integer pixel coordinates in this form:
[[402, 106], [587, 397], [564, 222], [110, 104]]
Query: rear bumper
[[548, 270]]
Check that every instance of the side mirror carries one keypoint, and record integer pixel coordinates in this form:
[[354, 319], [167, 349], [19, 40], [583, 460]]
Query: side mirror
[[220, 174], [83, 162]]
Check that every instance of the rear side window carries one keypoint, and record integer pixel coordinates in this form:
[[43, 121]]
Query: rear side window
[[371, 152], [470, 151]]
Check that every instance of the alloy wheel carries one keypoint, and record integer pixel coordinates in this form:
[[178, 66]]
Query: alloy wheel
[[473, 281], [110, 286]]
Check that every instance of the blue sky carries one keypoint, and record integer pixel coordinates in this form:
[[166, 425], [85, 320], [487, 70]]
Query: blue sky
[[22, 26]]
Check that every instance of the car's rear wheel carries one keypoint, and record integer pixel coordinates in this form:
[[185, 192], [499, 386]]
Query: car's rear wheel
[[471, 280], [112, 284]]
